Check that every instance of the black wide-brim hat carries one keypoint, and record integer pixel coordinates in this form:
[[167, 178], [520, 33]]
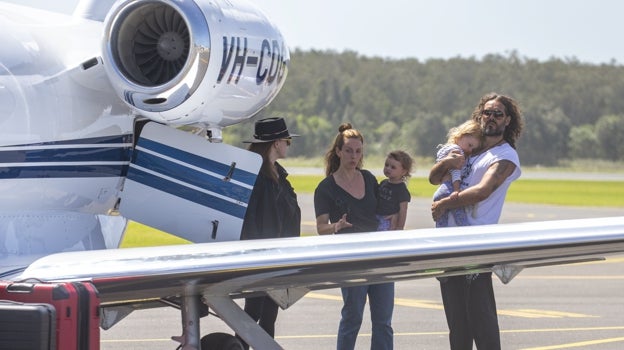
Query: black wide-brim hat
[[270, 129]]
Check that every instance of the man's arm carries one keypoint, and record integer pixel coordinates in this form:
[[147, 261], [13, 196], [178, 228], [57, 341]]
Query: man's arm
[[496, 174], [453, 160]]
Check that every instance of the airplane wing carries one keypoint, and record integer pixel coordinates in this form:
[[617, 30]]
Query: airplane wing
[[77, 92], [221, 271]]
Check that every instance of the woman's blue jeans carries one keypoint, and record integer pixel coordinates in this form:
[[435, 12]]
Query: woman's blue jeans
[[381, 304]]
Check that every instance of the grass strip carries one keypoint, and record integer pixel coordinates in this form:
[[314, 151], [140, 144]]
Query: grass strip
[[554, 192]]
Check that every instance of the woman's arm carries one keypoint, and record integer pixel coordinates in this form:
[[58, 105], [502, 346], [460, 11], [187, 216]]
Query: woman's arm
[[324, 227]]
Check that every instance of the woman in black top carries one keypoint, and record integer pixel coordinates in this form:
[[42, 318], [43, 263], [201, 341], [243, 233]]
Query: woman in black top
[[272, 211], [345, 202]]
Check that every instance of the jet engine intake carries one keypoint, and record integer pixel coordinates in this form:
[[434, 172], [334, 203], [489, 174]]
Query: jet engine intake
[[193, 61]]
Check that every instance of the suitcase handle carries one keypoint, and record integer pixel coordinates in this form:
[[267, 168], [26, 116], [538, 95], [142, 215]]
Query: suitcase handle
[[58, 291], [20, 287]]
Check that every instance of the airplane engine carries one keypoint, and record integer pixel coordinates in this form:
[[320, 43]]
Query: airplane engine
[[215, 62]]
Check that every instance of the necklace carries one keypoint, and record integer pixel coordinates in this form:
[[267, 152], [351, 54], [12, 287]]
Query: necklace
[[498, 143], [487, 149], [467, 169]]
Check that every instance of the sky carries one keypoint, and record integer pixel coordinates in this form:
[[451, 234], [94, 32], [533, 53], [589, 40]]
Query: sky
[[583, 30]]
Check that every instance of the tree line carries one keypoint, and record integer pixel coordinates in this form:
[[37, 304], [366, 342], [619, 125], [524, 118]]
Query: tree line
[[571, 109]]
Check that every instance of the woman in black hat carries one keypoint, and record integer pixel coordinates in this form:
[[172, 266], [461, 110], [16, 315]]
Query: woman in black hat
[[272, 211]]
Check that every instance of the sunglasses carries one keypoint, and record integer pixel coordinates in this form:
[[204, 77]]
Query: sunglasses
[[288, 141], [493, 112]]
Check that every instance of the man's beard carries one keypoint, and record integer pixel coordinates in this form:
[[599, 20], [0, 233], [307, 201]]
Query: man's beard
[[493, 130]]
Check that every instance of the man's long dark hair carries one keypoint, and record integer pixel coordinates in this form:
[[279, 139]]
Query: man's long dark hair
[[513, 130]]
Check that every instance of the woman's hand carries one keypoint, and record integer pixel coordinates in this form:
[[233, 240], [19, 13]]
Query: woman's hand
[[324, 227], [342, 223]]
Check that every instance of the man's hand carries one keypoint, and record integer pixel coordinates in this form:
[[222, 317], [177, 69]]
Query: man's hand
[[453, 160], [438, 209]]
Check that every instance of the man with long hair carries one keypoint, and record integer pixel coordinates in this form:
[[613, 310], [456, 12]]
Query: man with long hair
[[469, 302]]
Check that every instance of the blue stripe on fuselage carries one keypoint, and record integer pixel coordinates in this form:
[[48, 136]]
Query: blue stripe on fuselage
[[198, 161], [191, 177], [90, 157], [64, 171], [185, 192]]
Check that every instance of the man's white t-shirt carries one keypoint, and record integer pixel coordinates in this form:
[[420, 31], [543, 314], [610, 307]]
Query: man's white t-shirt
[[489, 210]]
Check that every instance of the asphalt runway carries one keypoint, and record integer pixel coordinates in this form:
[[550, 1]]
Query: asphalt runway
[[576, 306]]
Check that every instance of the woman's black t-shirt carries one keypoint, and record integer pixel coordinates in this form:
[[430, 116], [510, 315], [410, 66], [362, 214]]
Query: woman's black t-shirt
[[329, 198]]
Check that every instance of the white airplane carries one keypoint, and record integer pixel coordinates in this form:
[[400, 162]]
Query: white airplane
[[89, 105]]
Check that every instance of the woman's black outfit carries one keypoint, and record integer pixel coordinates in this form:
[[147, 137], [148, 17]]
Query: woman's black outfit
[[272, 212]]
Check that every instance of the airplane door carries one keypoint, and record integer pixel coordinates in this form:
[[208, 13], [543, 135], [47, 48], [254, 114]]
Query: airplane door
[[182, 184]]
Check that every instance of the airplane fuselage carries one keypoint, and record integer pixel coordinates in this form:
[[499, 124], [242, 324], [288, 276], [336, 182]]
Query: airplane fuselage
[[72, 90]]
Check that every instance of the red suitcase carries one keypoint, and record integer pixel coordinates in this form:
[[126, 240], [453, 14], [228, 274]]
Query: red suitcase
[[77, 310]]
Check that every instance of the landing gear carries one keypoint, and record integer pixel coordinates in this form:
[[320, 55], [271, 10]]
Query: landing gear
[[221, 341], [192, 307]]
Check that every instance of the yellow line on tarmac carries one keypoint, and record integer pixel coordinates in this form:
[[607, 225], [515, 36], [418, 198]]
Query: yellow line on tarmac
[[531, 313], [516, 331], [361, 334], [422, 304], [437, 333], [613, 259], [510, 331], [134, 340], [427, 304], [575, 329], [578, 344], [323, 296], [574, 278], [556, 313]]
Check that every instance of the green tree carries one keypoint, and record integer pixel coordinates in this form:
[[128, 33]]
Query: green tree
[[610, 133], [544, 138], [413, 103], [583, 142]]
